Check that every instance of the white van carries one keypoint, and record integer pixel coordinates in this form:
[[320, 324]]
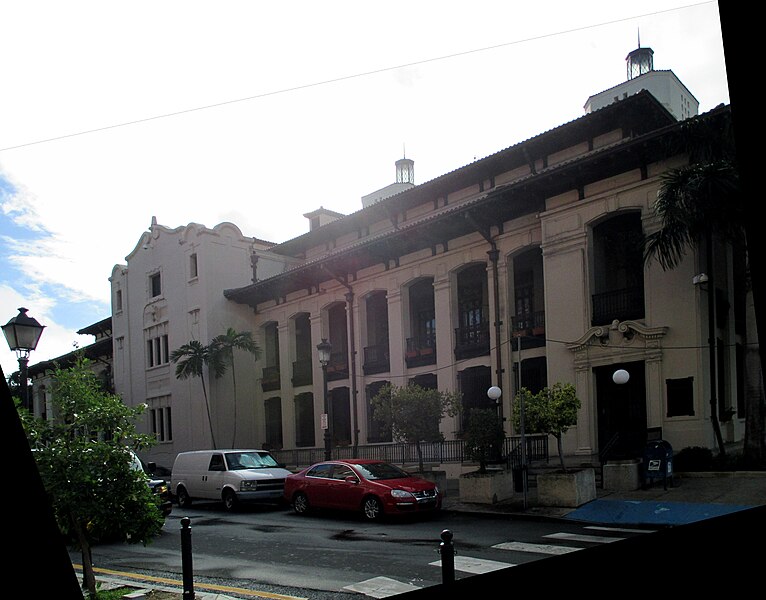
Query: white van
[[231, 476]]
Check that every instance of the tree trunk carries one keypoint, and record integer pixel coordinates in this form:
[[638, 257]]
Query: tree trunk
[[88, 575], [560, 447]]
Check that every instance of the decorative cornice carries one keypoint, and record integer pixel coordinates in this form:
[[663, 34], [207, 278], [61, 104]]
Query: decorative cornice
[[618, 334]]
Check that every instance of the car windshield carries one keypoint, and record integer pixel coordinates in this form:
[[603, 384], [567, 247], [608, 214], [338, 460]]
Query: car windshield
[[250, 460], [381, 470]]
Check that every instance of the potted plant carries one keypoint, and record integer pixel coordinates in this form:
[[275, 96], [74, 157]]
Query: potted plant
[[553, 410], [484, 438]]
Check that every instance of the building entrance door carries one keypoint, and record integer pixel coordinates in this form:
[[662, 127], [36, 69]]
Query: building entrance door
[[621, 411]]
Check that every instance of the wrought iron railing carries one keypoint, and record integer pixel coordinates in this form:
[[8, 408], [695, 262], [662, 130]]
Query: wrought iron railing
[[447, 451], [627, 303], [472, 340]]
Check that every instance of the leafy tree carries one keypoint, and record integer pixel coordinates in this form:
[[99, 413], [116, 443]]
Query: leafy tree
[[484, 437], [222, 350], [190, 360], [84, 460], [413, 412], [698, 203], [553, 410]]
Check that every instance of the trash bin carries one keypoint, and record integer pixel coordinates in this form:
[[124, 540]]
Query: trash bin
[[658, 463]]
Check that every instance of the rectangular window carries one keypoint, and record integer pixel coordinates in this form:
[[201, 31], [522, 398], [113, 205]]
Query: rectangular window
[[680, 397], [155, 285], [157, 351], [160, 418]]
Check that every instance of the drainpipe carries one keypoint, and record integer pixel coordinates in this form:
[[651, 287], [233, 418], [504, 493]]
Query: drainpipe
[[352, 366], [352, 349]]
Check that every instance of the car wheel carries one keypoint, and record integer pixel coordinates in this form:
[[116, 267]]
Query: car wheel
[[229, 500], [300, 503], [372, 509], [184, 501]]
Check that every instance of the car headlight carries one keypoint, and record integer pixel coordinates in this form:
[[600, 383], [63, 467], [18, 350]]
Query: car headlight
[[401, 494], [248, 486]]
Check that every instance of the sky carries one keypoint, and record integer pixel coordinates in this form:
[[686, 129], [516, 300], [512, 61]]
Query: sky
[[257, 112]]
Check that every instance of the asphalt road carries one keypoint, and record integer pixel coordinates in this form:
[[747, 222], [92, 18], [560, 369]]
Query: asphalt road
[[330, 555]]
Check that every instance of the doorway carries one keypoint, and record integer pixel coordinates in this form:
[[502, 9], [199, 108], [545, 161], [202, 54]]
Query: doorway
[[621, 411]]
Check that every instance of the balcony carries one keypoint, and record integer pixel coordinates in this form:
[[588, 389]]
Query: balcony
[[472, 340], [337, 368], [270, 379], [421, 351], [302, 372], [376, 359], [622, 305]]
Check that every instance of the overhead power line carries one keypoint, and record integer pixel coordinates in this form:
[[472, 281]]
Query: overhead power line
[[346, 78]]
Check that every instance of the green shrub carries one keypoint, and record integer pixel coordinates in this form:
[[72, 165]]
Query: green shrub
[[693, 458]]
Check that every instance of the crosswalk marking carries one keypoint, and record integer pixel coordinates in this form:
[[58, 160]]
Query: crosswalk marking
[[381, 587], [476, 566], [598, 539], [537, 548]]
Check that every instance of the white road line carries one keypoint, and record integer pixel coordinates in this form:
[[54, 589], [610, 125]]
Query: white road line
[[475, 566], [381, 587], [598, 539], [537, 548], [622, 529]]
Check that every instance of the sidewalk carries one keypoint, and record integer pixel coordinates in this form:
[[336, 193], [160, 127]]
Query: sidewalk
[[691, 497]]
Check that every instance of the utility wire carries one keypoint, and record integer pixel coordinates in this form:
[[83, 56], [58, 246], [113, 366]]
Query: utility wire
[[347, 77]]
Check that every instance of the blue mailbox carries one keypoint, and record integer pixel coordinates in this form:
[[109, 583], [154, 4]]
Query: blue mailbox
[[658, 463]]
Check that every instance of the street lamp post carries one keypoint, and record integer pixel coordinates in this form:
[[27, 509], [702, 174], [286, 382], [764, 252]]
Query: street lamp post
[[324, 348], [522, 432], [22, 333]]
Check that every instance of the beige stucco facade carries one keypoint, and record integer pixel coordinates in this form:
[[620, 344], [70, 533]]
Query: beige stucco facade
[[449, 283]]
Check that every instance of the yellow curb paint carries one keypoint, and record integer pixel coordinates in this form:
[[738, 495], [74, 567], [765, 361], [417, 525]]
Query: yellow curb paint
[[212, 587]]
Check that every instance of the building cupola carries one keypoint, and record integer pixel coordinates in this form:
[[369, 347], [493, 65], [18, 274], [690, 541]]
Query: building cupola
[[405, 170], [640, 61]]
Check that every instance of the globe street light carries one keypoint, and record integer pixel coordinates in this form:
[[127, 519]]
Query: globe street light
[[22, 333], [620, 376], [324, 348]]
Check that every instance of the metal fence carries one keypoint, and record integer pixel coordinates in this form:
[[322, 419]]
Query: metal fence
[[448, 451]]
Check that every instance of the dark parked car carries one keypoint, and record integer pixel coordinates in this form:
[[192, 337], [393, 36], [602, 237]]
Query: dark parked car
[[158, 486], [373, 487]]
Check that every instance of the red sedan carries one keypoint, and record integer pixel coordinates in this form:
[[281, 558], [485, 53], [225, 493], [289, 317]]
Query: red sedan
[[373, 487]]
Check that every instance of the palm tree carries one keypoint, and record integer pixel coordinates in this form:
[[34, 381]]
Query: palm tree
[[222, 354], [697, 204], [190, 360]]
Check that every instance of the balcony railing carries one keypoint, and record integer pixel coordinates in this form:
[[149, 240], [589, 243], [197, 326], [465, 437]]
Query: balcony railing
[[530, 324], [337, 368], [627, 303], [376, 359], [421, 351], [270, 380], [472, 340], [302, 372]]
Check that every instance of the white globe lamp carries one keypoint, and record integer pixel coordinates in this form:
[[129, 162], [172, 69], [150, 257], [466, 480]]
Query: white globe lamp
[[620, 376]]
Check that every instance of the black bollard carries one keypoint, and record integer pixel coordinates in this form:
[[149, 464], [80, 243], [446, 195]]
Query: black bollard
[[447, 551], [186, 559]]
